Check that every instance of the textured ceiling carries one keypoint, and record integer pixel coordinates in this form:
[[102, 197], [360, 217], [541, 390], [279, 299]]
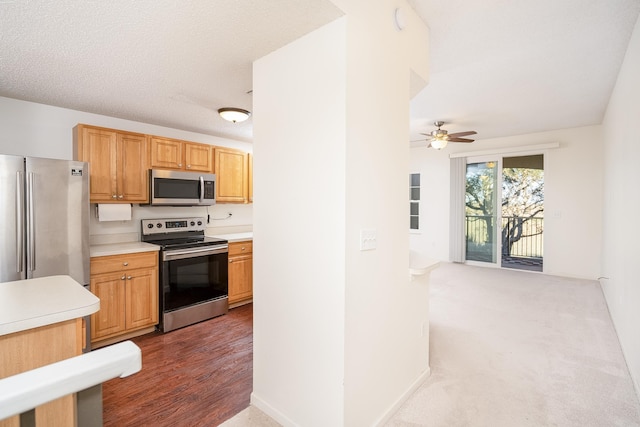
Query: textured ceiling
[[156, 61], [500, 67]]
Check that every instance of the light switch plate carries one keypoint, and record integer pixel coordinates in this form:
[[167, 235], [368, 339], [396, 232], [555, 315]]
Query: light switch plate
[[368, 240]]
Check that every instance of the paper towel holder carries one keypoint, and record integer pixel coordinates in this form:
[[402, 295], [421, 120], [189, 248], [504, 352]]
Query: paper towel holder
[[97, 213]]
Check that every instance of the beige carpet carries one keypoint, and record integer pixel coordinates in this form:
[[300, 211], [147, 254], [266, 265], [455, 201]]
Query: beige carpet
[[513, 348]]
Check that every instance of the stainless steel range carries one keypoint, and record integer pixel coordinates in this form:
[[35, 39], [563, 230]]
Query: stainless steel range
[[193, 271]]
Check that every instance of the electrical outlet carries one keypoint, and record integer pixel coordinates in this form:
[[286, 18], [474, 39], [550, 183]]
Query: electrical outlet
[[368, 240]]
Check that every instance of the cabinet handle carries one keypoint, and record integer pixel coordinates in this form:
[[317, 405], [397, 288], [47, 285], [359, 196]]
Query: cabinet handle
[[243, 248], [122, 278], [114, 197], [121, 197], [125, 263], [179, 164], [129, 277], [188, 166], [230, 260]]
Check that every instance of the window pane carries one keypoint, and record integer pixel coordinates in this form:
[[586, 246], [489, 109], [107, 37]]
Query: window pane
[[414, 223], [415, 194], [415, 210], [414, 180]]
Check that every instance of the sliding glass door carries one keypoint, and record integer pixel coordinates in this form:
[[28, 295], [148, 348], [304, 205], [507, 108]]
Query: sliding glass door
[[522, 212], [481, 213], [504, 211]]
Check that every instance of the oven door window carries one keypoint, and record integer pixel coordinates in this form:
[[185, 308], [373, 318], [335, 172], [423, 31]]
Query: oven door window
[[194, 280]]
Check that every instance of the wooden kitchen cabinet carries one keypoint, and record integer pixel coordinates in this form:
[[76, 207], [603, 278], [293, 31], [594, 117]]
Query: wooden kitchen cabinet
[[35, 348], [240, 272], [175, 154], [232, 175], [250, 175], [127, 286], [117, 164]]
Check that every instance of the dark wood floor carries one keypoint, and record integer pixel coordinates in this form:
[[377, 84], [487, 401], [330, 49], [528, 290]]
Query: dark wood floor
[[200, 375]]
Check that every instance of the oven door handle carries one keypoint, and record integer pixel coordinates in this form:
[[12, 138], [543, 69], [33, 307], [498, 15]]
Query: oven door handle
[[193, 252]]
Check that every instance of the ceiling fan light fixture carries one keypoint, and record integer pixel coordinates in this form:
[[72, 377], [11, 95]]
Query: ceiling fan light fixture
[[234, 115], [439, 144]]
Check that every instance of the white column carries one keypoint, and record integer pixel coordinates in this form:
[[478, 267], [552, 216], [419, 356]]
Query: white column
[[337, 331]]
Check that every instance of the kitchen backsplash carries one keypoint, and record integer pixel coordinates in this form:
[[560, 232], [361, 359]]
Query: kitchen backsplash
[[241, 220]]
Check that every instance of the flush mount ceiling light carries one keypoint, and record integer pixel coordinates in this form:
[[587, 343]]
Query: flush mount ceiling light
[[234, 115]]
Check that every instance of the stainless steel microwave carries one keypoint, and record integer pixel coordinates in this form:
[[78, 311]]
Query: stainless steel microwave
[[175, 188]]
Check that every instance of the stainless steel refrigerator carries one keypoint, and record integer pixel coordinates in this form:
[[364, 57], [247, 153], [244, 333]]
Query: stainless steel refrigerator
[[44, 215]]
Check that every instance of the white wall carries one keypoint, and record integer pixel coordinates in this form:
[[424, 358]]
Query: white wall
[[621, 250], [299, 231], [384, 311], [337, 331], [38, 130], [573, 197]]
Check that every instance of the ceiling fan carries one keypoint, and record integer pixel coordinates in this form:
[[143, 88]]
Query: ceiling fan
[[439, 138]]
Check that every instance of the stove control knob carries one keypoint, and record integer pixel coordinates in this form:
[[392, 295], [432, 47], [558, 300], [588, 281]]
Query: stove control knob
[[192, 223], [159, 225], [149, 225], [199, 222]]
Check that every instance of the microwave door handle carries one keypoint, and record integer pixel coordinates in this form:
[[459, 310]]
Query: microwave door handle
[[201, 189]]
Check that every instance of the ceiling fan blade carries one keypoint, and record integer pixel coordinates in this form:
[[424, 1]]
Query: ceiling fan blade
[[460, 140], [457, 134]]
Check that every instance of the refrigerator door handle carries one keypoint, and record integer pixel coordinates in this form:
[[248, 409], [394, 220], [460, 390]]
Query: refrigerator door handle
[[19, 222], [31, 232]]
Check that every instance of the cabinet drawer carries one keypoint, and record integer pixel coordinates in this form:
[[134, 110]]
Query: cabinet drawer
[[239, 248], [114, 263]]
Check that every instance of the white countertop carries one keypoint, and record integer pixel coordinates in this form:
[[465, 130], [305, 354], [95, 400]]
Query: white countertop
[[134, 247], [121, 248], [31, 303], [419, 264], [234, 237]]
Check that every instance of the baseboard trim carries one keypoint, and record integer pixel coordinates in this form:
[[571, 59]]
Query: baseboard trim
[[271, 411], [386, 417]]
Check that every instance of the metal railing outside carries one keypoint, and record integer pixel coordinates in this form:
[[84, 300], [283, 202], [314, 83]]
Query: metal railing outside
[[521, 236]]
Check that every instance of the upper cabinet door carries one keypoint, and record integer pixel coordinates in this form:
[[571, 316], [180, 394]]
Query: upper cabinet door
[[166, 153], [198, 157], [98, 147], [250, 176], [231, 168], [133, 176]]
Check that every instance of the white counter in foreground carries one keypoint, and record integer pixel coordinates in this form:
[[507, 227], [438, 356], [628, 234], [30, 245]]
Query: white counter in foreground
[[31, 303]]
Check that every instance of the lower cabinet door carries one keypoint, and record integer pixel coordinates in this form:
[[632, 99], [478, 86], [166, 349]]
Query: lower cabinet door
[[141, 299], [240, 278], [110, 319]]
